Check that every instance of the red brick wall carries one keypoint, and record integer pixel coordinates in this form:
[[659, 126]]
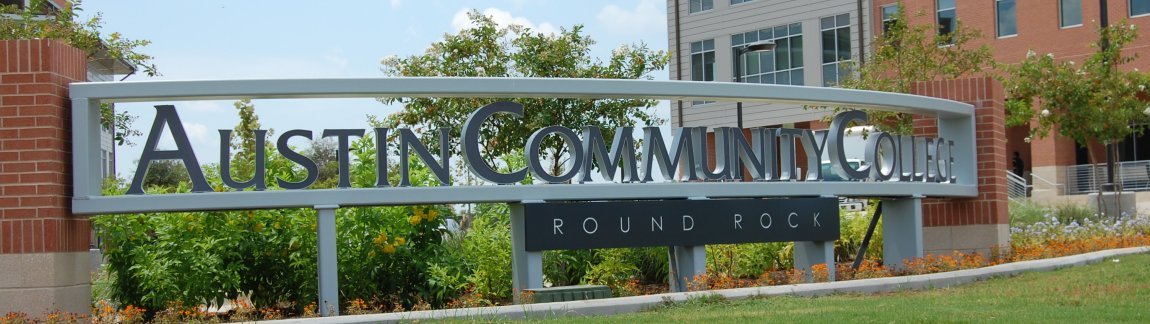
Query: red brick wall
[[35, 148], [990, 207]]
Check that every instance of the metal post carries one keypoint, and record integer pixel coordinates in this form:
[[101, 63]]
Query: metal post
[[901, 231], [328, 267], [739, 79], [526, 266], [686, 262]]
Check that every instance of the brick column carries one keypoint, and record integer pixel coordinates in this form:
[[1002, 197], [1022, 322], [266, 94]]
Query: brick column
[[44, 261], [980, 223]]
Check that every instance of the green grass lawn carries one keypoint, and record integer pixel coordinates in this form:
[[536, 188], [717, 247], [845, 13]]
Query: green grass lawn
[[1107, 292]]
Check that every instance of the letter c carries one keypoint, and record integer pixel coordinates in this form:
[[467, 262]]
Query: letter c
[[470, 143]]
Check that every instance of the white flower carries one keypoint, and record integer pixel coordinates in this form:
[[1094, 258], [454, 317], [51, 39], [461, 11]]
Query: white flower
[[1027, 139], [1141, 87], [1045, 113], [1146, 111], [1050, 55], [1133, 27], [1030, 53], [480, 71], [1071, 63]]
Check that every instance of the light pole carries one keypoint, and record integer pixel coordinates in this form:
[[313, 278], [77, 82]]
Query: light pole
[[764, 46]]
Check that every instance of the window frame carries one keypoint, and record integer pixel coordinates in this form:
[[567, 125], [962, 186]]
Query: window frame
[[702, 51], [885, 19], [1130, 5], [998, 18], [1062, 14], [702, 6], [783, 44], [938, 12], [837, 63], [739, 2]]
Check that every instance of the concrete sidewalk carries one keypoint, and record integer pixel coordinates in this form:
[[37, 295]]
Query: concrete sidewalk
[[638, 303]]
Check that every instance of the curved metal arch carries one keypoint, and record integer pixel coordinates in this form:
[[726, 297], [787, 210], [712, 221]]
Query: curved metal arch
[[955, 122]]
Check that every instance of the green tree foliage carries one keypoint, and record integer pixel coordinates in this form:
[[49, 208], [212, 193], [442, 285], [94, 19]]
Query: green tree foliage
[[908, 54], [39, 20], [167, 173], [1087, 102], [489, 50]]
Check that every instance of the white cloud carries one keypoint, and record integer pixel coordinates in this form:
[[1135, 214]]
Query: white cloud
[[197, 133], [648, 17], [503, 18], [396, 3]]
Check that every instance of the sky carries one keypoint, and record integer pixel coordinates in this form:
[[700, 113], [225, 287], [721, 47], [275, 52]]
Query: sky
[[217, 40]]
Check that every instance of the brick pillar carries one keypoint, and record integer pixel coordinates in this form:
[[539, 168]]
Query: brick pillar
[[971, 224], [44, 261]]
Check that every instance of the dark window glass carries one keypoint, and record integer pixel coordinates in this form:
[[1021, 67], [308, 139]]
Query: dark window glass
[[1070, 12], [1139, 7], [947, 22], [1007, 16]]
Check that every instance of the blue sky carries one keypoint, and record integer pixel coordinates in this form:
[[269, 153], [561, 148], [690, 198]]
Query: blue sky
[[213, 39]]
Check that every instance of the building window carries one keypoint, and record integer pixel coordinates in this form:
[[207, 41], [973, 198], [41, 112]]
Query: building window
[[1007, 15], [703, 62], [947, 21], [889, 13], [701, 5], [784, 65], [735, 2], [1070, 13], [1139, 7], [836, 48]]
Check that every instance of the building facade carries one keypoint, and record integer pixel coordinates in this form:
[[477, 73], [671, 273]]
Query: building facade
[[811, 38], [704, 33]]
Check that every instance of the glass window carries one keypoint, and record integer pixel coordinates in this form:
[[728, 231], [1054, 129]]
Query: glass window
[[703, 62], [1007, 16], [783, 65], [1139, 7], [836, 32], [888, 16], [701, 5], [947, 22], [735, 2], [1070, 13]]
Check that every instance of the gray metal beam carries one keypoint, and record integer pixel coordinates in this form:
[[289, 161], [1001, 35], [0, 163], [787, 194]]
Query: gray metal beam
[[93, 205]]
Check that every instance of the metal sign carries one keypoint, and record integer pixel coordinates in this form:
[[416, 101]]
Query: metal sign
[[935, 167], [613, 224]]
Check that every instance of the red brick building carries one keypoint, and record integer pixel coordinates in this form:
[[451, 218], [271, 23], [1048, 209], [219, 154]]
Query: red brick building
[[1057, 168]]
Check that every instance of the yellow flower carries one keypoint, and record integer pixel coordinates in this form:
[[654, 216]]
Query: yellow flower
[[388, 249], [400, 241], [431, 214], [371, 254], [381, 238], [415, 219]]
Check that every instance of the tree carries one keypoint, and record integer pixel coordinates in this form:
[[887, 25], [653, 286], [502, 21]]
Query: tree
[[1094, 102], [905, 55], [489, 50], [39, 20]]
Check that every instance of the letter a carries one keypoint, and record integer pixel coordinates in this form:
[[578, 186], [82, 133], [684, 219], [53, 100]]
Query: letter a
[[166, 115]]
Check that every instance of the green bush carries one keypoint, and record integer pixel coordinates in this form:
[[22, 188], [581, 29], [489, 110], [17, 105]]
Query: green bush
[[747, 260], [853, 227], [486, 248]]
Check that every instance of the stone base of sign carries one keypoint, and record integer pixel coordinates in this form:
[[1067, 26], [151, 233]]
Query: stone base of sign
[[809, 254], [38, 283], [984, 239], [1120, 203]]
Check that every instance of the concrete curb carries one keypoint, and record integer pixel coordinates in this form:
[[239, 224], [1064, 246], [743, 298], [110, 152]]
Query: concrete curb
[[637, 303]]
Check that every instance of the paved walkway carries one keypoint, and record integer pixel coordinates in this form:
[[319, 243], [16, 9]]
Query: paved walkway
[[638, 303]]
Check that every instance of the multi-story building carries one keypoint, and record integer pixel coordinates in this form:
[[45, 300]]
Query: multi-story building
[[812, 37], [1057, 168]]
